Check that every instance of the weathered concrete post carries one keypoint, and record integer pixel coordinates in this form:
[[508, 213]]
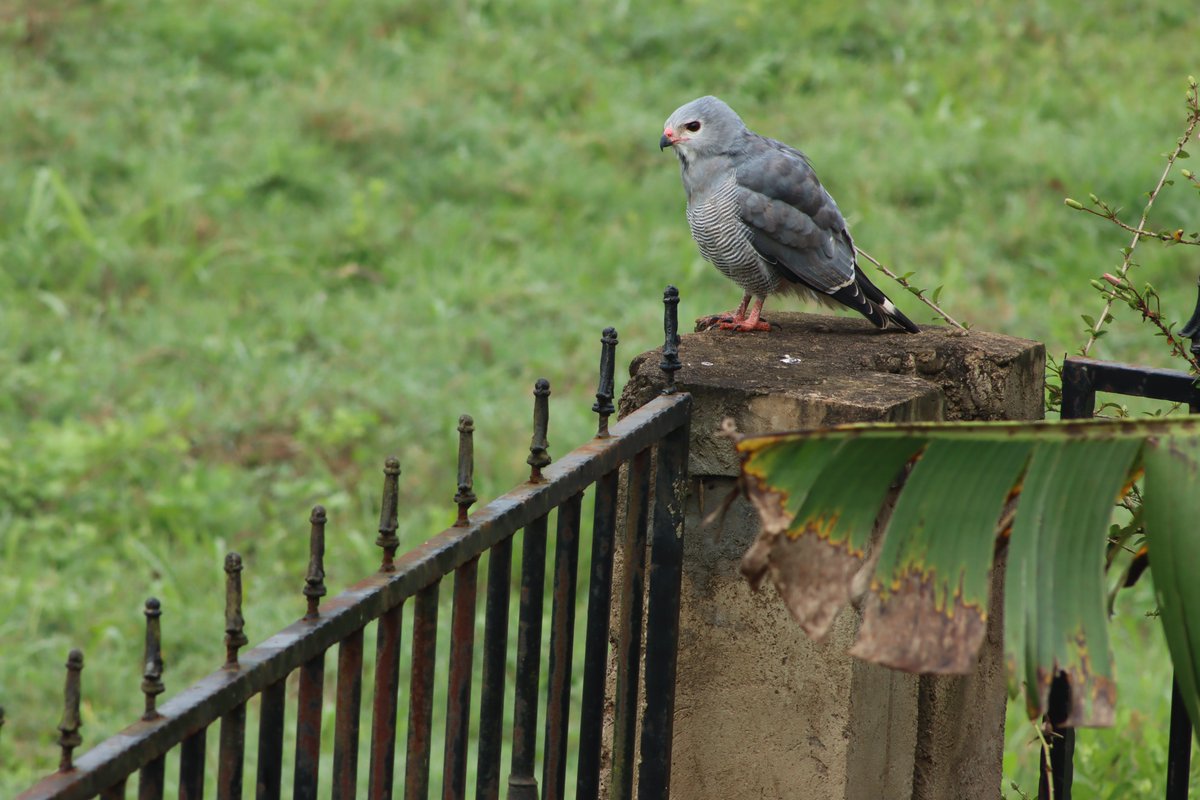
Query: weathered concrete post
[[760, 710]]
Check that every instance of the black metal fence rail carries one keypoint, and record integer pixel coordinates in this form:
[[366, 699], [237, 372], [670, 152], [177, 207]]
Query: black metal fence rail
[[650, 443], [1082, 378]]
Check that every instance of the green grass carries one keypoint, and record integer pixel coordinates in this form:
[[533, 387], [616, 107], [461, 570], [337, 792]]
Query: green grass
[[247, 250]]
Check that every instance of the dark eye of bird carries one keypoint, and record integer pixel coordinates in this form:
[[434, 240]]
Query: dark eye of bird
[[693, 126]]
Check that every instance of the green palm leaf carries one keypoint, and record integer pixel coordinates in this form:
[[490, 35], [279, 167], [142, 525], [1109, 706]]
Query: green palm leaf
[[952, 496]]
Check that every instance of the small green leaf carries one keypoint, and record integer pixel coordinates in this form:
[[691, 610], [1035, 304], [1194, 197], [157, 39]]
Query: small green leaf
[[1184, 154], [1091, 322]]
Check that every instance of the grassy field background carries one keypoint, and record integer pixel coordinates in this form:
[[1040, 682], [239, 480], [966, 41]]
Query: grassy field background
[[249, 249]]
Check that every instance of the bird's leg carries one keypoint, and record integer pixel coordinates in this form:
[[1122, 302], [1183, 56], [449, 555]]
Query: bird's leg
[[750, 323], [721, 320]]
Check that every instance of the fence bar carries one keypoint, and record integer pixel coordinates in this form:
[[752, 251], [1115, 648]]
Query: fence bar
[[1060, 772], [539, 456], [1056, 767], [605, 387], [662, 615], [314, 579], [308, 728], [235, 623], [562, 634], [152, 662], [522, 785], [383, 712], [628, 655], [595, 660], [114, 792], [231, 751], [191, 767], [1179, 748], [420, 704], [289, 649], [270, 741], [387, 540], [464, 498], [495, 653], [152, 781], [670, 363], [345, 725], [458, 695], [1170, 385], [68, 729]]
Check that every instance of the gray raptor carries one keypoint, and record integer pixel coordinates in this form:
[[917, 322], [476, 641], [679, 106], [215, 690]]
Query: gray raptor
[[759, 214]]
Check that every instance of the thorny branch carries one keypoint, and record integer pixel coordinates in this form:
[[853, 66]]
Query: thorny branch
[[920, 293], [1149, 306], [1193, 118], [1174, 237]]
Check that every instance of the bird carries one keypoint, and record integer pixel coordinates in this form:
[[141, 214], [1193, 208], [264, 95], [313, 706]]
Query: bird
[[761, 217]]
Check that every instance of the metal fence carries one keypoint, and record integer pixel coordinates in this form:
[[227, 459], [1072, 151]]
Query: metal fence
[[1082, 378], [647, 451]]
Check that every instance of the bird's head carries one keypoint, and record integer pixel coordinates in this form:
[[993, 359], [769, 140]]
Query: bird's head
[[705, 125]]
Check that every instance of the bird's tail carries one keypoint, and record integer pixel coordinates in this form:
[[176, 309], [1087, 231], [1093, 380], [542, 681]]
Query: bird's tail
[[866, 298]]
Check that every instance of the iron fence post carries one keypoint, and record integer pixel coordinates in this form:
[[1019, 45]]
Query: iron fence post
[[152, 663], [69, 737], [314, 579], [662, 615]]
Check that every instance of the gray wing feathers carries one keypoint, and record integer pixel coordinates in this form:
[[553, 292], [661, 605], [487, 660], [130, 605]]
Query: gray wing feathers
[[793, 220]]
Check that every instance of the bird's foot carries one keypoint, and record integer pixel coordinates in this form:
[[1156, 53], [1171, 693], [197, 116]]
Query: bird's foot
[[744, 325], [718, 320]]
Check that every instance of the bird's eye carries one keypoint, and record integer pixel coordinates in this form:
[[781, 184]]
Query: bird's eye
[[692, 126]]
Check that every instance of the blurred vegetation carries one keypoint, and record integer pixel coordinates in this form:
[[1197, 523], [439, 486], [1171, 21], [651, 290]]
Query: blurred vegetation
[[249, 249]]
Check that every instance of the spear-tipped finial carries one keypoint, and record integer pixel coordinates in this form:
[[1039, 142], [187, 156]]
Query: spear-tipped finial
[[69, 737], [539, 457], [388, 514], [465, 496], [605, 388], [235, 624], [670, 361], [152, 662], [1191, 328], [314, 580]]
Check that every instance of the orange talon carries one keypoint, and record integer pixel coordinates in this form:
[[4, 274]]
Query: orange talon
[[750, 323]]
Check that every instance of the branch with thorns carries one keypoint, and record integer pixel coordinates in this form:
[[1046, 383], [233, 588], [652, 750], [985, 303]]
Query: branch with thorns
[[1139, 231], [918, 292], [1148, 304], [1170, 237]]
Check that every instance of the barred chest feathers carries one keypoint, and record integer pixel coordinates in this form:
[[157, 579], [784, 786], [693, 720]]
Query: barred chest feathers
[[724, 241]]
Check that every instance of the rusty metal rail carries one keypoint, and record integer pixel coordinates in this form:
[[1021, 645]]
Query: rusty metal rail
[[655, 436]]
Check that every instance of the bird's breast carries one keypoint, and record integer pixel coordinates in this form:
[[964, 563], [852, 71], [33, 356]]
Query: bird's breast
[[724, 240]]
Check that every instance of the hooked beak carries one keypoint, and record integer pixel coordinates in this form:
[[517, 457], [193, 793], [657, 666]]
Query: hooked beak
[[668, 139]]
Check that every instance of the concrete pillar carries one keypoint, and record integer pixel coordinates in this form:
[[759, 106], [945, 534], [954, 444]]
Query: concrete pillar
[[762, 711]]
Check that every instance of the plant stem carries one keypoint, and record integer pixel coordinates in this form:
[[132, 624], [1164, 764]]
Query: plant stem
[[1193, 118], [1141, 232], [920, 295]]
